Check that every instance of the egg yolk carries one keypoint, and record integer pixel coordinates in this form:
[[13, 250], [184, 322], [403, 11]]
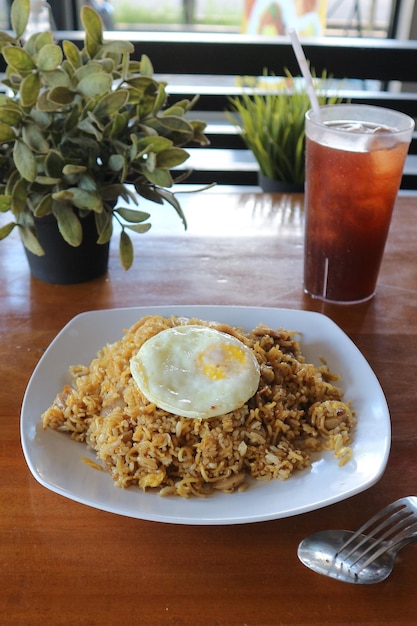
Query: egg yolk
[[221, 361]]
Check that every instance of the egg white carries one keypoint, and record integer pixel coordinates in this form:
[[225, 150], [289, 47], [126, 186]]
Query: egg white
[[195, 371]]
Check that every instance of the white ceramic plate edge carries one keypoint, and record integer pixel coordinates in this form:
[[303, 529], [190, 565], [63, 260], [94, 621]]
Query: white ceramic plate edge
[[370, 454]]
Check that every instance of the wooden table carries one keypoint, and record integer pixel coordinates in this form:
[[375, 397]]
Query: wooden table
[[65, 563]]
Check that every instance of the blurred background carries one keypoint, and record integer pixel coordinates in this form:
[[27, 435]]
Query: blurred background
[[358, 18]]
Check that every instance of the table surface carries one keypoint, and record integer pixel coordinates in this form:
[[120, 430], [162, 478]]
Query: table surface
[[65, 563]]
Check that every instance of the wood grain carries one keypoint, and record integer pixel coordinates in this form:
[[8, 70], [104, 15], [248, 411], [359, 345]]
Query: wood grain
[[65, 563]]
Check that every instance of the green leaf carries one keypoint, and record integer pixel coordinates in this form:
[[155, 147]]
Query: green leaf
[[42, 39], [94, 85], [62, 196], [88, 127], [149, 192], [139, 228], [69, 225], [118, 47], [19, 197], [83, 199], [67, 68], [72, 53], [175, 109], [198, 132], [133, 67], [151, 162], [159, 177], [160, 99], [88, 183], [61, 95], [48, 180], [104, 225], [47, 106], [49, 57], [144, 84], [30, 241], [116, 162], [19, 16], [4, 99], [6, 230], [33, 137], [40, 118], [111, 193], [92, 24], [6, 133], [130, 215], [11, 181], [5, 39], [30, 44], [24, 160], [57, 78], [10, 116], [146, 67], [18, 58], [5, 203], [91, 47], [29, 89], [54, 164], [111, 103], [125, 250], [71, 120], [119, 123], [171, 158], [71, 170], [172, 200], [154, 143], [176, 128], [44, 207], [93, 67], [107, 65]]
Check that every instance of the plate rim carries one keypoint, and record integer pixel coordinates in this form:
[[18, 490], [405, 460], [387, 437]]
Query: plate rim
[[178, 519]]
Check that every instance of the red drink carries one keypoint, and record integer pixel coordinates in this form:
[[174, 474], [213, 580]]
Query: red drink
[[351, 186]]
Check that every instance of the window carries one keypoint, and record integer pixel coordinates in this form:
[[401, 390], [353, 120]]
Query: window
[[342, 17]]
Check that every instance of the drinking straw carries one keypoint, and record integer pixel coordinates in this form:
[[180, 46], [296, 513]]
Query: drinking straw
[[302, 62]]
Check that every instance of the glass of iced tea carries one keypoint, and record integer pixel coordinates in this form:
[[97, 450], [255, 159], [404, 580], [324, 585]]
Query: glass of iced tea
[[355, 156]]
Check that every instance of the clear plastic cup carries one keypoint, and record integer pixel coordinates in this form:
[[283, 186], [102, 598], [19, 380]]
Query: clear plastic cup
[[355, 157]]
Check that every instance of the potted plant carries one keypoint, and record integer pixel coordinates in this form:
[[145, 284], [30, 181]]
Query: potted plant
[[81, 130], [270, 117]]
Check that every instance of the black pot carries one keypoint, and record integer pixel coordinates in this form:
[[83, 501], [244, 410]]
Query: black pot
[[63, 264], [278, 186]]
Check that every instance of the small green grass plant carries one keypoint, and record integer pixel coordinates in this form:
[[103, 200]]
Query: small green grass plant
[[270, 116]]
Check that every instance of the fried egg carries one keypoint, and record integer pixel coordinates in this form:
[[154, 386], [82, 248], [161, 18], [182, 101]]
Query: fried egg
[[195, 371]]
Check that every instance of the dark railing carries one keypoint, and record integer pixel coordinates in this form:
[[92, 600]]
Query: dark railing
[[222, 54]]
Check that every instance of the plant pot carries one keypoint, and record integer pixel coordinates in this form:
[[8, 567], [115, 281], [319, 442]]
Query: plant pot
[[63, 264], [278, 186]]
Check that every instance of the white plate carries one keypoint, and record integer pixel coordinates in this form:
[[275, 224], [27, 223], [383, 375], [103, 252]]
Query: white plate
[[57, 462]]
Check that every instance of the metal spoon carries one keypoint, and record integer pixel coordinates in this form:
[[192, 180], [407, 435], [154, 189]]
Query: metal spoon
[[368, 555]]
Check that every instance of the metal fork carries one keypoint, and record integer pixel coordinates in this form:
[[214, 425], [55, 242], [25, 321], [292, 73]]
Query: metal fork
[[390, 529], [368, 555]]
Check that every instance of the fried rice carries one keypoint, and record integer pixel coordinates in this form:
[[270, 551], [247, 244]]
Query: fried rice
[[297, 412]]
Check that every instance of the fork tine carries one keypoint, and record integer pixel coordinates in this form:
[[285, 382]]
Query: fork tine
[[388, 529], [405, 534], [388, 539], [386, 515]]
